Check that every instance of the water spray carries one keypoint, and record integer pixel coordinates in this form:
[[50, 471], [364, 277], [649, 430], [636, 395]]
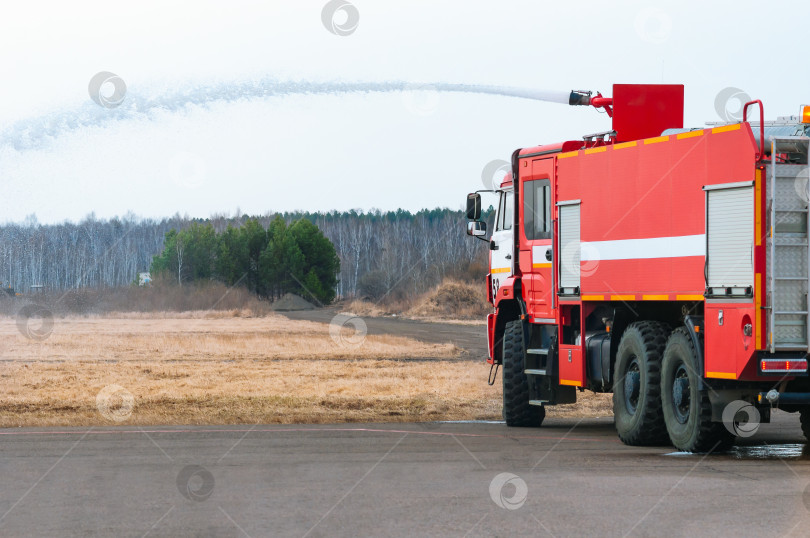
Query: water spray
[[34, 133]]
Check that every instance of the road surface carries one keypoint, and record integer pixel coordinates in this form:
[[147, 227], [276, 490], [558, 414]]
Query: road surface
[[472, 339], [568, 478]]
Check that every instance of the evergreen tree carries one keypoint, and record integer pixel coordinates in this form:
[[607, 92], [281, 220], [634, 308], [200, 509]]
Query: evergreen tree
[[200, 248], [282, 262], [321, 263], [168, 261], [232, 259], [255, 238]]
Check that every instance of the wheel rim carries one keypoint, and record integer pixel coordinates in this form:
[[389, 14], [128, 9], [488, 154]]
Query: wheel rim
[[632, 386], [681, 394]]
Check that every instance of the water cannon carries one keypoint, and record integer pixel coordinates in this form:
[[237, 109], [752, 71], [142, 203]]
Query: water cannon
[[637, 110], [582, 98]]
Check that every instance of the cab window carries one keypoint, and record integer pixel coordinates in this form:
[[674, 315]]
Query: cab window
[[537, 209]]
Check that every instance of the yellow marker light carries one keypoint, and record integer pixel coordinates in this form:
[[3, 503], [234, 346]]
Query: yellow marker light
[[805, 113]]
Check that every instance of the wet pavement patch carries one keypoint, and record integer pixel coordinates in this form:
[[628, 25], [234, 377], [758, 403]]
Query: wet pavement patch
[[758, 452]]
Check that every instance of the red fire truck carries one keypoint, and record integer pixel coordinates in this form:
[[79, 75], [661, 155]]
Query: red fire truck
[[664, 264]]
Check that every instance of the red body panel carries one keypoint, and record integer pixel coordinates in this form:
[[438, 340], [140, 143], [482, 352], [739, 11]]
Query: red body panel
[[650, 189], [571, 366], [646, 110], [641, 277], [729, 354], [506, 291], [727, 351]]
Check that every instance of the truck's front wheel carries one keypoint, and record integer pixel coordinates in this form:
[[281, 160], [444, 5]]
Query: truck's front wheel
[[637, 389], [516, 408], [687, 410]]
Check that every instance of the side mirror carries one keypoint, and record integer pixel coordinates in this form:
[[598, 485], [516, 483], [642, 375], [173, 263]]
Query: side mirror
[[477, 229], [473, 206]]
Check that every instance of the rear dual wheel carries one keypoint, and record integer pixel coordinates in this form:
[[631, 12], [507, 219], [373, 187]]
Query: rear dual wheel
[[687, 410], [637, 390]]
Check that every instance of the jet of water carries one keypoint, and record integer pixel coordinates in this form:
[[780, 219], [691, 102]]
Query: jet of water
[[36, 132]]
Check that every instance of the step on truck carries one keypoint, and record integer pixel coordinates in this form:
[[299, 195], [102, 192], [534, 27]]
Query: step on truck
[[664, 264]]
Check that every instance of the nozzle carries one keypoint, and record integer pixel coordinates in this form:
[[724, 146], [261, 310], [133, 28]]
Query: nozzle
[[579, 98]]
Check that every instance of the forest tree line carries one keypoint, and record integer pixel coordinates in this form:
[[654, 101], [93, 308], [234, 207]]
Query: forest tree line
[[380, 253], [268, 261]]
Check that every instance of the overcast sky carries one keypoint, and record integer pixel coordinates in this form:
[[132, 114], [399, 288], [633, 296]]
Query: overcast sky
[[234, 146]]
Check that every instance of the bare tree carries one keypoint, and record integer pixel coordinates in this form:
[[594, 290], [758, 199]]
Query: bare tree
[[179, 247]]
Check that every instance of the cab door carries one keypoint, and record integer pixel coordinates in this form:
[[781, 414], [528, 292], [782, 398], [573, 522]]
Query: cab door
[[536, 247], [501, 243]]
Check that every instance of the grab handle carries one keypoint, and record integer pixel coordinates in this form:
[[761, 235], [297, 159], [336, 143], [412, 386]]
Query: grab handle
[[761, 125]]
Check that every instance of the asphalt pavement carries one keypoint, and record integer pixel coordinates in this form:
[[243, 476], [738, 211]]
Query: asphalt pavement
[[472, 339], [568, 478]]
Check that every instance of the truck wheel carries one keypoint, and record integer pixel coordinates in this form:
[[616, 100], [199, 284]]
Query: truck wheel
[[687, 410], [516, 408], [637, 389]]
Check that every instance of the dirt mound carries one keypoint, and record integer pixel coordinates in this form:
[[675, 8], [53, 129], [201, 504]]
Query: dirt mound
[[290, 301], [454, 299]]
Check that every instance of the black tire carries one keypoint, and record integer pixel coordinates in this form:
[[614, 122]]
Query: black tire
[[804, 416], [516, 408], [687, 410], [637, 386]]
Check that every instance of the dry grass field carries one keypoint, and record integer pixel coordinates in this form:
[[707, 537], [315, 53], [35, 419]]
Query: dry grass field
[[217, 368], [223, 368]]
